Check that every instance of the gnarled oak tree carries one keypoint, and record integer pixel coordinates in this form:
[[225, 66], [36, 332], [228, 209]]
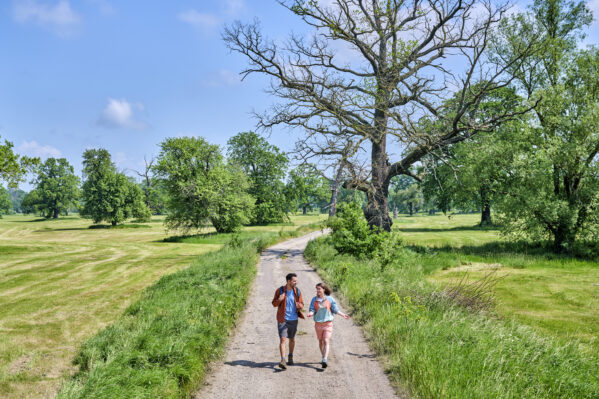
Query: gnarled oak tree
[[408, 57]]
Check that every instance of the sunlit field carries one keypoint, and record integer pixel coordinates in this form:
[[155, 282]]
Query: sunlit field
[[60, 282], [556, 295]]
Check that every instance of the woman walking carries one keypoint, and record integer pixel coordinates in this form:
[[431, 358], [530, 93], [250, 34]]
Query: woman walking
[[323, 307]]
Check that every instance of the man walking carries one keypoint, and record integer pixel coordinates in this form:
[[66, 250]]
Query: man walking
[[289, 301]]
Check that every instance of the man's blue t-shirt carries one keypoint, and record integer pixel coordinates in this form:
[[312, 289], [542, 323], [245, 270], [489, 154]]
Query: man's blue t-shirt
[[290, 308]]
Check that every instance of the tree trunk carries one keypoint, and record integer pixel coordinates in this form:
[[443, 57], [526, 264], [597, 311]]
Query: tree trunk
[[333, 201], [377, 210], [335, 191], [485, 214], [411, 207], [304, 210], [113, 222], [55, 215], [395, 212]]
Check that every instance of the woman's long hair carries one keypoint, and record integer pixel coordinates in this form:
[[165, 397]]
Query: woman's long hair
[[327, 290]]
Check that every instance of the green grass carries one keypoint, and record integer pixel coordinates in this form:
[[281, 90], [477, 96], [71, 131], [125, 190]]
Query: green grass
[[554, 294], [61, 282], [539, 341], [161, 346]]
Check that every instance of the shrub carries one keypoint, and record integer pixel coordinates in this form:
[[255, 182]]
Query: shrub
[[351, 233]]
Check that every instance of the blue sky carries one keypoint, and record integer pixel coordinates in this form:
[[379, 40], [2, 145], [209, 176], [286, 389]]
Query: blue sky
[[124, 75]]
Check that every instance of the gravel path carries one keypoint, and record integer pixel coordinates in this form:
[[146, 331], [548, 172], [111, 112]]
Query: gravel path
[[250, 367]]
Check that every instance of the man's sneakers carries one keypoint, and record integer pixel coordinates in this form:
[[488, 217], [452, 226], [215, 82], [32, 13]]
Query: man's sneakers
[[290, 360], [282, 365], [324, 364]]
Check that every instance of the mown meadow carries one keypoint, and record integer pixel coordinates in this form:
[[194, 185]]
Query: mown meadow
[[61, 282], [530, 332]]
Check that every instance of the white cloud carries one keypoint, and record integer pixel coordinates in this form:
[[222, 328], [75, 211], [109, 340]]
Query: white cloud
[[119, 114], [224, 77], [234, 7], [59, 17], [33, 149], [203, 21]]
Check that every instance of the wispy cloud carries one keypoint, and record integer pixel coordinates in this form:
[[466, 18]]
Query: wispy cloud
[[224, 77], [594, 7], [203, 21], [120, 114], [33, 149], [104, 6], [59, 17], [208, 22]]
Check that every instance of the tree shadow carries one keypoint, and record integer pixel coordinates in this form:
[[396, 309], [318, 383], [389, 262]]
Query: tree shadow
[[49, 230], [543, 250], [440, 230]]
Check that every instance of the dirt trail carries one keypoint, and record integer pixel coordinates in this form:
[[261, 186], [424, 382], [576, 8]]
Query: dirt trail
[[250, 367]]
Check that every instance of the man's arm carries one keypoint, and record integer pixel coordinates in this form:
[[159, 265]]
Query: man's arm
[[300, 302]]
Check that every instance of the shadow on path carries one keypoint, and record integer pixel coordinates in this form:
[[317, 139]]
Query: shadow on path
[[271, 365]]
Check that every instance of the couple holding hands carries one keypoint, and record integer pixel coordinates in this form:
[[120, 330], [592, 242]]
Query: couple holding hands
[[288, 299]]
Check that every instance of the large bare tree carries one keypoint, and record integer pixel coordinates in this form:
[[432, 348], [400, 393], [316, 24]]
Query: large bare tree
[[408, 58]]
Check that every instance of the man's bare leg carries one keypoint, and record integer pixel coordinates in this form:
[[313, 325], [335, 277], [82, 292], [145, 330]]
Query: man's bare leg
[[282, 348]]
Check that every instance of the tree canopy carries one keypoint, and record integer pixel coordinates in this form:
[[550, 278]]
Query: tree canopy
[[13, 167], [265, 165], [107, 194], [552, 188], [201, 188], [56, 186]]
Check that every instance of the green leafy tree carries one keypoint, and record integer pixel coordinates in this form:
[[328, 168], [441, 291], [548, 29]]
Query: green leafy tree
[[5, 203], [307, 188], [153, 189], [57, 187], [396, 199], [30, 203], [265, 165], [470, 174], [554, 185], [107, 194], [201, 188], [14, 167]]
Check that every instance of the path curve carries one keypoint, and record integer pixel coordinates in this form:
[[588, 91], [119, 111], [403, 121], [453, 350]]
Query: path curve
[[250, 367]]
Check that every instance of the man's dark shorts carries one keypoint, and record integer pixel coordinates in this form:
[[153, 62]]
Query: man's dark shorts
[[287, 329]]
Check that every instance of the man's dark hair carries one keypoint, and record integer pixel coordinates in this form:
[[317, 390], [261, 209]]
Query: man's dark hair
[[290, 276]]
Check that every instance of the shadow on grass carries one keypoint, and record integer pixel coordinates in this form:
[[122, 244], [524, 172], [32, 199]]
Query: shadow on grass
[[207, 238], [119, 226], [541, 250], [440, 230]]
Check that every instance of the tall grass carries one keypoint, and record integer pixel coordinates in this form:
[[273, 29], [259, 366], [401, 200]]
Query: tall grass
[[162, 344], [435, 348]]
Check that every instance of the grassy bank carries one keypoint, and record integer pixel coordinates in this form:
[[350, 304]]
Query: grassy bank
[[557, 295], [161, 345], [61, 282], [435, 348]]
